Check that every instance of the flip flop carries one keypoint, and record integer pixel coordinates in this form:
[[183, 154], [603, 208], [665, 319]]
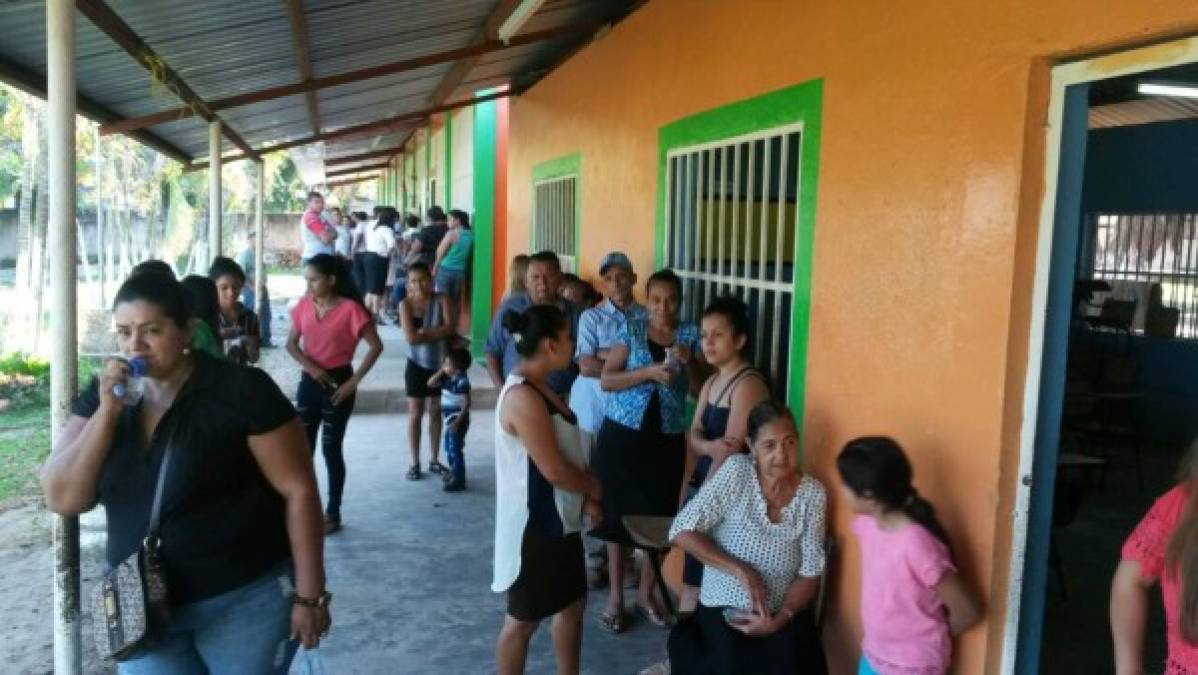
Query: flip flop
[[413, 473], [654, 616], [613, 622]]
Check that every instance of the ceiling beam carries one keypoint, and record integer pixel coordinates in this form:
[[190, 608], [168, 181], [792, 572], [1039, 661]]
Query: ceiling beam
[[303, 57], [388, 124], [487, 32], [32, 83], [349, 77], [348, 159], [360, 169], [352, 181], [112, 25]]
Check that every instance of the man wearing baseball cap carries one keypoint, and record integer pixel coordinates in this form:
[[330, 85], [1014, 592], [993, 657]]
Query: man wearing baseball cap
[[597, 330]]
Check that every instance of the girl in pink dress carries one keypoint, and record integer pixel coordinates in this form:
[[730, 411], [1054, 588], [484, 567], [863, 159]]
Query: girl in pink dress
[[912, 600], [1163, 545]]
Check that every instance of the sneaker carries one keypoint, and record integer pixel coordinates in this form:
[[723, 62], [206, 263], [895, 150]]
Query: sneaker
[[454, 486]]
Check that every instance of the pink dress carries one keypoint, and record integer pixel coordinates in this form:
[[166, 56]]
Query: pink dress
[[906, 628], [1147, 545]]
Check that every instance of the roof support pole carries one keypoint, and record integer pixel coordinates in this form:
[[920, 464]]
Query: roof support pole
[[60, 80], [259, 241], [215, 208]]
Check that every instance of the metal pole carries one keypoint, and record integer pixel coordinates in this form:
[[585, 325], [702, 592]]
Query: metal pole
[[60, 97], [259, 245], [214, 190]]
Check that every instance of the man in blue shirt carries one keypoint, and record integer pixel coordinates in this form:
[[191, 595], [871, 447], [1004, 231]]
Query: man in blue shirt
[[541, 285], [597, 330]]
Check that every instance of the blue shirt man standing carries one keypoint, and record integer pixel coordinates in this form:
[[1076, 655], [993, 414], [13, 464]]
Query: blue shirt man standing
[[597, 330], [541, 285]]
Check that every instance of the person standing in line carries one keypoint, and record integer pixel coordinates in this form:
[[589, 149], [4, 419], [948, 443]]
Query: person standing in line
[[345, 232], [319, 236], [236, 472], [246, 259], [597, 331], [357, 250], [718, 428], [380, 242], [238, 324], [913, 601], [542, 489], [452, 265], [640, 454], [205, 308], [542, 281], [404, 258], [428, 239], [427, 320], [454, 383], [515, 275], [326, 326], [1163, 549]]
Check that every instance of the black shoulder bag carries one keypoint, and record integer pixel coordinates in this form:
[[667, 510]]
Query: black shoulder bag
[[129, 605]]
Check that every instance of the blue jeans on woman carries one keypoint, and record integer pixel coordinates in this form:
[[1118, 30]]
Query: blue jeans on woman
[[245, 630]]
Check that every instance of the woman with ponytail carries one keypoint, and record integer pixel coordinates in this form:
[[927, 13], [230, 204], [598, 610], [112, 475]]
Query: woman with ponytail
[[326, 325], [1163, 548], [912, 599]]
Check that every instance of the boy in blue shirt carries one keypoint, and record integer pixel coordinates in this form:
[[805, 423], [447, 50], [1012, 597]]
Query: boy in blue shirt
[[455, 411]]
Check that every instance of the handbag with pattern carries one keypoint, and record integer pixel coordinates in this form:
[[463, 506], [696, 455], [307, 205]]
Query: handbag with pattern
[[129, 605]]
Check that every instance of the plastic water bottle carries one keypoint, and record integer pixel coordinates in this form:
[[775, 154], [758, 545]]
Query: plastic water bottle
[[131, 389]]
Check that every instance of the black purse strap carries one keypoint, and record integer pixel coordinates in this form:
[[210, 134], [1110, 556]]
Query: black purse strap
[[151, 540]]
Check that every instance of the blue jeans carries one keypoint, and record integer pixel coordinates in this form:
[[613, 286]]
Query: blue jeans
[[245, 630], [455, 445], [399, 291], [263, 310]]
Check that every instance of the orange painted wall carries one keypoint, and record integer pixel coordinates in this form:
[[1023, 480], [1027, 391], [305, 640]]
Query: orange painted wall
[[930, 179]]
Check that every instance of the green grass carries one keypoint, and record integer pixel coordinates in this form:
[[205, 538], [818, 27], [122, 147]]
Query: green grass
[[25, 420]]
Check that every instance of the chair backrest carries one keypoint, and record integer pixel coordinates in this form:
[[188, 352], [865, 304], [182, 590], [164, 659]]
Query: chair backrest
[[821, 598]]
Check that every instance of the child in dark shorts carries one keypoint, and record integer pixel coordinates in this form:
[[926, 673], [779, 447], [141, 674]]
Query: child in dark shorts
[[455, 411]]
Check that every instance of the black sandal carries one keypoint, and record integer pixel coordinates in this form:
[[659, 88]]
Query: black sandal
[[437, 467], [414, 472]]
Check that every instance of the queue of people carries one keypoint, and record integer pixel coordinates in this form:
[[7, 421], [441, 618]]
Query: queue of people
[[592, 436]]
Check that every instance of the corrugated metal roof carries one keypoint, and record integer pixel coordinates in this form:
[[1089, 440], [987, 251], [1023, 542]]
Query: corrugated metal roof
[[223, 48]]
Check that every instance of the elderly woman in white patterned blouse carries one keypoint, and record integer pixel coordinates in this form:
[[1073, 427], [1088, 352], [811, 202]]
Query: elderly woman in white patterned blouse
[[758, 527]]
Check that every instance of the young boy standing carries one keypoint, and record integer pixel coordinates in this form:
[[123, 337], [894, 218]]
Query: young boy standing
[[455, 411]]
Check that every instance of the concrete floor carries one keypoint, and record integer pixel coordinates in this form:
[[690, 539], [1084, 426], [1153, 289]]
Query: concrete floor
[[411, 570]]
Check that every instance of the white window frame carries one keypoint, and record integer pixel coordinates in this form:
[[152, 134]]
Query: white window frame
[[703, 271]]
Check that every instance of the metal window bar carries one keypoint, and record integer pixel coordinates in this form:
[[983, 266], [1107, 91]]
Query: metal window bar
[[730, 236], [554, 219], [1151, 247]]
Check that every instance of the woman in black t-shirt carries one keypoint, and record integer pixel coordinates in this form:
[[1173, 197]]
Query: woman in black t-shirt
[[240, 521]]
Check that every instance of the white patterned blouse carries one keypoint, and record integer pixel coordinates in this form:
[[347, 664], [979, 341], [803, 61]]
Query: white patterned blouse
[[731, 509]]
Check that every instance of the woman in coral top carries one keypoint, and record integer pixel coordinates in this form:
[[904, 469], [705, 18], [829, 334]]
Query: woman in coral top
[[326, 326], [1162, 547]]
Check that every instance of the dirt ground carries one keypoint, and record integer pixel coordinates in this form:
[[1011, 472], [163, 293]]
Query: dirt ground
[[26, 565]]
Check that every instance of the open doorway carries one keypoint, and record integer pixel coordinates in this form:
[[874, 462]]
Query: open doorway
[[1112, 397]]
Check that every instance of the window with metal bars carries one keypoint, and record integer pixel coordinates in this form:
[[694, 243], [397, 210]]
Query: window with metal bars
[[1150, 247], [555, 219], [731, 213]]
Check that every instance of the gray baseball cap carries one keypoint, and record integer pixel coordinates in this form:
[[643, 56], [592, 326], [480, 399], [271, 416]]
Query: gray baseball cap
[[614, 258]]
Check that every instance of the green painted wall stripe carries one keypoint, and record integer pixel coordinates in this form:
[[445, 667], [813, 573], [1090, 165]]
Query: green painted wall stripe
[[800, 103], [482, 275], [555, 168], [448, 160]]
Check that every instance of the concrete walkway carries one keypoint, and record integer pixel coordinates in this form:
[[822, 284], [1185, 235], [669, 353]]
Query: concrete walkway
[[411, 570]]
